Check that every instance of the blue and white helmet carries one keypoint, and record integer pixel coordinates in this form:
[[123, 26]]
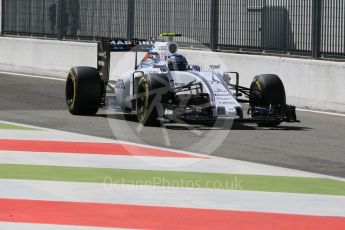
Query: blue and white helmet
[[177, 62]]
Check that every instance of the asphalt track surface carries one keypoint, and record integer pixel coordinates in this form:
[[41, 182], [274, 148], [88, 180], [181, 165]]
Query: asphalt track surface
[[317, 144]]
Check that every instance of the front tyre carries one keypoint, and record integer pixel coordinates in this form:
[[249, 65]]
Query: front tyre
[[265, 91], [145, 104], [83, 91]]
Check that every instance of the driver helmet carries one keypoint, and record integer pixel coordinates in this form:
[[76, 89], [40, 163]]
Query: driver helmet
[[177, 62]]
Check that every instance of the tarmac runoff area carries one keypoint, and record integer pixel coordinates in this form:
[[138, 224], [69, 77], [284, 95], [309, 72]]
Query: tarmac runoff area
[[59, 180]]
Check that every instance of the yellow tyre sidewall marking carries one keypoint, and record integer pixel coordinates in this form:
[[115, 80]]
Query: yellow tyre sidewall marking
[[257, 83]]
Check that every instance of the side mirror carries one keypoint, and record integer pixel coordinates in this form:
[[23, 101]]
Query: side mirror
[[195, 68], [227, 78], [213, 67], [237, 77]]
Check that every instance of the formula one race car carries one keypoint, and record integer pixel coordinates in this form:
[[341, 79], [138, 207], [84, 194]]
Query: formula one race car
[[164, 87]]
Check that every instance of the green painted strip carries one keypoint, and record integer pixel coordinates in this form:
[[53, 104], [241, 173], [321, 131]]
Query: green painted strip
[[14, 127], [175, 179]]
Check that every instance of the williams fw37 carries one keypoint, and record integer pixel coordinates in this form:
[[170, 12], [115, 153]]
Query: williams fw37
[[164, 87]]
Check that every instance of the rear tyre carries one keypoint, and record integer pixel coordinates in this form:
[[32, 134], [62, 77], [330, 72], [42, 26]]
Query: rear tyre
[[83, 91], [267, 90]]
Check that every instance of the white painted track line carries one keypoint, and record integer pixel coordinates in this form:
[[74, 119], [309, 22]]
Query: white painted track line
[[321, 112], [25, 226], [226, 166], [33, 76]]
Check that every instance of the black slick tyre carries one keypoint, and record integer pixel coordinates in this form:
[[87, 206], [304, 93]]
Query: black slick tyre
[[267, 90], [83, 91]]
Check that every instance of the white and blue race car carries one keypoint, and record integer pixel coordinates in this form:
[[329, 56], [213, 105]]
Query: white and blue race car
[[164, 87]]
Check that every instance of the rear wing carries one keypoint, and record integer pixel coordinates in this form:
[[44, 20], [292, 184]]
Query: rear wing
[[138, 45], [135, 45], [107, 46]]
